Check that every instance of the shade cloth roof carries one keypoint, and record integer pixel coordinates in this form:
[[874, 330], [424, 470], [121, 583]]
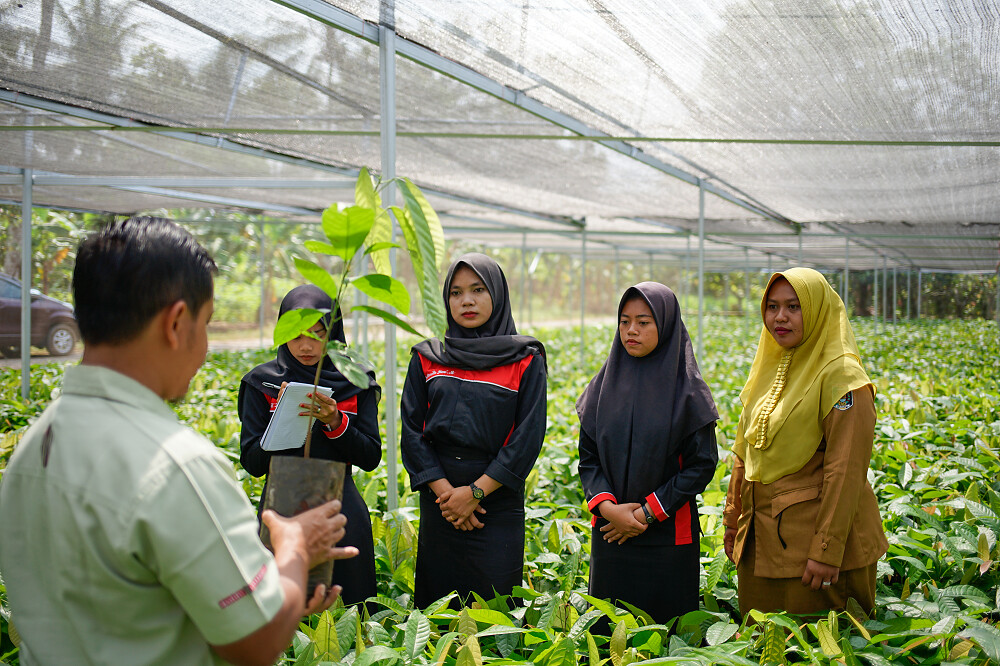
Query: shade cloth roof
[[859, 133]]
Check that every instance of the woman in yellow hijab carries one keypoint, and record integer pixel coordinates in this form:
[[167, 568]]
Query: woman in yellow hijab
[[802, 521]]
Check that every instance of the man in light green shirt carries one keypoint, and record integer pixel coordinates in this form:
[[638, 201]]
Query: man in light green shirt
[[124, 536]]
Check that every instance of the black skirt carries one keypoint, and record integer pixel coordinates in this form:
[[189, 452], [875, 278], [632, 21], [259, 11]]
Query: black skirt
[[357, 574], [487, 561], [663, 581]]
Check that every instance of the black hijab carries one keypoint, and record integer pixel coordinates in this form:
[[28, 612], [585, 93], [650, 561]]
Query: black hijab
[[286, 368], [646, 405], [493, 344]]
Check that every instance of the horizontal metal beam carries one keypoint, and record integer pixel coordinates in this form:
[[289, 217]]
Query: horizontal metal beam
[[208, 182], [506, 136], [220, 201]]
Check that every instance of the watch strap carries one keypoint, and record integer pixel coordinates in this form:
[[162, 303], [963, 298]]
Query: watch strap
[[650, 518]]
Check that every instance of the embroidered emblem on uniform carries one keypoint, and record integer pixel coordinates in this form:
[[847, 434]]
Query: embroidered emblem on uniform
[[846, 402]]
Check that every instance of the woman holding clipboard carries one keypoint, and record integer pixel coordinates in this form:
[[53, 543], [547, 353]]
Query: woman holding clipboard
[[345, 428]]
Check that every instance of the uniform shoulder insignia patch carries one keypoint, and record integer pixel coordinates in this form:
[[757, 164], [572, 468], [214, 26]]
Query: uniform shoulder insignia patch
[[846, 402]]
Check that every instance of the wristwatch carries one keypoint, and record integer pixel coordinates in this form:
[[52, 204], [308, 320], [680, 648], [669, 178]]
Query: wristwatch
[[477, 492], [650, 518]]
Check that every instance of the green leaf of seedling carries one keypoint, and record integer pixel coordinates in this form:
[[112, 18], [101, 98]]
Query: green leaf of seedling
[[378, 654], [563, 653], [720, 632], [347, 229], [385, 289], [419, 208], [489, 616], [715, 570], [319, 247], [594, 656], [420, 247], [318, 276], [365, 196], [356, 373], [466, 625], [294, 323], [415, 636], [382, 245], [470, 654], [325, 638], [618, 643], [444, 647], [389, 317], [826, 640]]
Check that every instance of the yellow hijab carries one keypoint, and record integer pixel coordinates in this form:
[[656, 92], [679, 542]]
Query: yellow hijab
[[821, 370]]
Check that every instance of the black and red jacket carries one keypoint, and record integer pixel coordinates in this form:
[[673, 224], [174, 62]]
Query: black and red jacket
[[355, 442], [669, 484], [498, 412]]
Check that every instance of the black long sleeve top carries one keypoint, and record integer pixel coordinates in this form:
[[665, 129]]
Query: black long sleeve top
[[682, 475], [356, 441], [500, 412]]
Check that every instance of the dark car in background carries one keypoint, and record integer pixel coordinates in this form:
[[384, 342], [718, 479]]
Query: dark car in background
[[53, 325]]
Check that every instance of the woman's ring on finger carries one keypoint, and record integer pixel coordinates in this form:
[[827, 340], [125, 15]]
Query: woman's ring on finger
[[826, 583]]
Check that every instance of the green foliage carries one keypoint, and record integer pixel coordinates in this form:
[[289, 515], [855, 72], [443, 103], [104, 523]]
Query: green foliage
[[361, 229], [935, 471]]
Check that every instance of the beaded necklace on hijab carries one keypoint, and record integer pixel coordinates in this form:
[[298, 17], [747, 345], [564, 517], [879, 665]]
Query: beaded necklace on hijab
[[494, 343]]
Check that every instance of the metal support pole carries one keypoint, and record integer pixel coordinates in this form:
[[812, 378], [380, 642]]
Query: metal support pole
[[909, 291], [744, 307], [524, 272], [894, 297], [616, 284], [583, 298], [387, 86], [531, 283], [687, 273], [26, 285], [649, 273], [885, 290], [847, 270], [262, 270], [875, 297], [800, 247], [701, 268], [920, 289]]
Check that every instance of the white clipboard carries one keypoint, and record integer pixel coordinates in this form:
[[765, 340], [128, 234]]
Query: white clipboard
[[286, 429]]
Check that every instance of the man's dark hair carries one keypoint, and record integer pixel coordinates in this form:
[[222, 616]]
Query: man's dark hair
[[132, 269]]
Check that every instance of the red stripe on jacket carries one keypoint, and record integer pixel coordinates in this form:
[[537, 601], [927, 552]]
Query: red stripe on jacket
[[504, 376]]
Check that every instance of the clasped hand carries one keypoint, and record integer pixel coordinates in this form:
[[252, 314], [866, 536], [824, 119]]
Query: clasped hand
[[459, 508], [623, 521]]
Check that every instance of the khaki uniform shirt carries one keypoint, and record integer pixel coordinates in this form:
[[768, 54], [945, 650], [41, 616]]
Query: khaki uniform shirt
[[124, 537], [826, 511]]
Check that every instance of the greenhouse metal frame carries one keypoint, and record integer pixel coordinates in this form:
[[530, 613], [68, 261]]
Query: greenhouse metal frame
[[711, 136]]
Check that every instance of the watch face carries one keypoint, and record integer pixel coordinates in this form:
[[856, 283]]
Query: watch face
[[650, 519], [477, 492]]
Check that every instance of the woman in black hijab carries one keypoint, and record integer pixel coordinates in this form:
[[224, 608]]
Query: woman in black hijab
[[647, 448], [345, 429], [473, 420]]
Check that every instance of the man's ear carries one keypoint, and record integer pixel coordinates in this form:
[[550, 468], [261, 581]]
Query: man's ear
[[174, 322]]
